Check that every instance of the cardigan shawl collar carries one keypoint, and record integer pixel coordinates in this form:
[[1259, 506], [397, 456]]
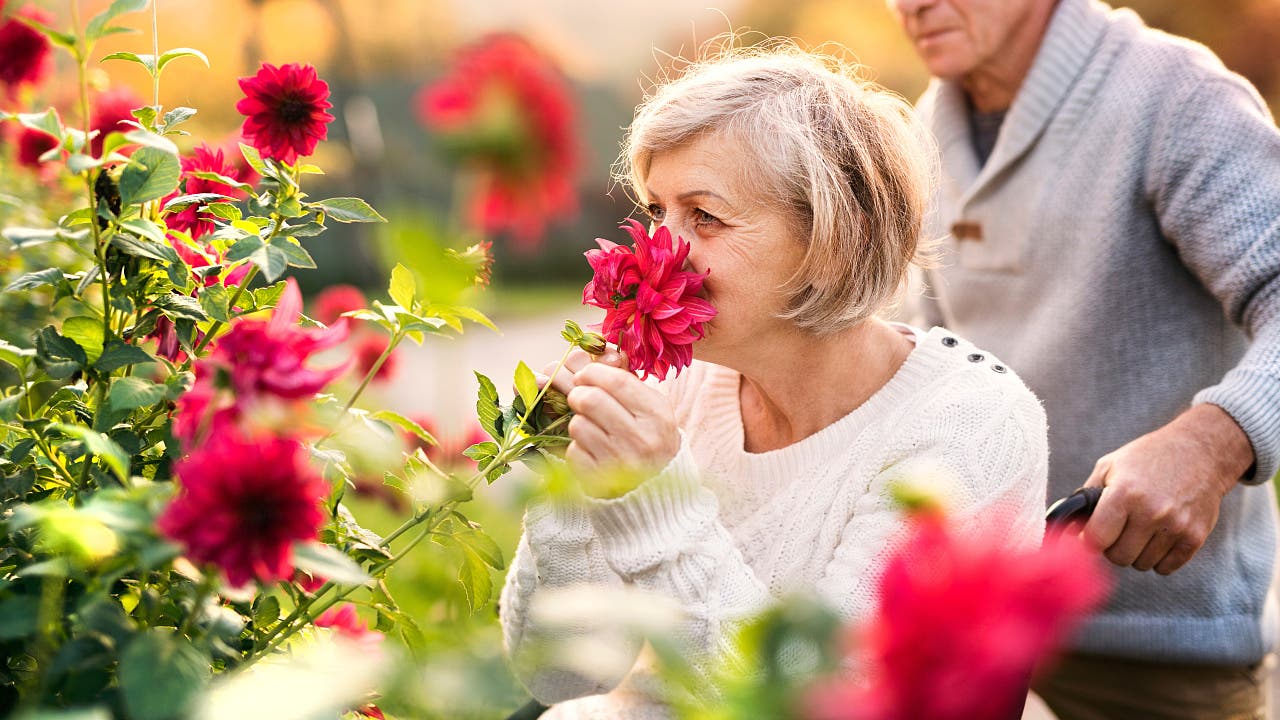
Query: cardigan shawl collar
[[1070, 40]]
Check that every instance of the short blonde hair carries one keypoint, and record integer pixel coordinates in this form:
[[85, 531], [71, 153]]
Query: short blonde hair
[[845, 158]]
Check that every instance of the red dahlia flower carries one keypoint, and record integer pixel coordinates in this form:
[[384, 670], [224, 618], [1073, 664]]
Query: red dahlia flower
[[335, 300], [112, 111], [25, 53], [368, 348], [32, 144], [505, 109], [961, 624], [243, 503], [205, 159], [256, 360], [284, 109], [652, 310], [343, 619]]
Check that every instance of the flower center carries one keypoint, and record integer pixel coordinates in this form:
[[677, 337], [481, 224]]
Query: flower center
[[293, 109]]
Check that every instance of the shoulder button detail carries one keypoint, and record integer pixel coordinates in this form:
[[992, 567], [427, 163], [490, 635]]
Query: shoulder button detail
[[950, 341], [977, 358]]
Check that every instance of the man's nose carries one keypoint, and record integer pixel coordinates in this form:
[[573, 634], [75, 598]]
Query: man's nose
[[909, 7]]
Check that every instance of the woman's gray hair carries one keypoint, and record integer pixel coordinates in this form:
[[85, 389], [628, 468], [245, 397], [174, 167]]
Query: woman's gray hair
[[843, 157]]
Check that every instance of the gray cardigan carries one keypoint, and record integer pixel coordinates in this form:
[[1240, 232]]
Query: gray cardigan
[[1121, 250]]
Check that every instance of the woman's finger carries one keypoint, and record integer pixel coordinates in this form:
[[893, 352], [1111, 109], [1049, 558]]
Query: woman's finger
[[599, 405]]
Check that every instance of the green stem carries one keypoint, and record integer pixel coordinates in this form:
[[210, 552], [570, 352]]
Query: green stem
[[51, 595], [155, 49], [368, 377], [217, 324], [53, 458]]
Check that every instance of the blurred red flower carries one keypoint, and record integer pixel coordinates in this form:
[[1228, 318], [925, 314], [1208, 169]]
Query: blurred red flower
[[652, 311], [368, 348], [344, 620], [505, 109], [284, 109], [962, 623], [111, 110], [447, 452], [32, 144], [256, 360], [335, 300], [205, 159], [243, 503], [25, 53]]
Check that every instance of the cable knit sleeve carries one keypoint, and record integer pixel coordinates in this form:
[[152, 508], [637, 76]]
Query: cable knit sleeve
[[1214, 181], [557, 549], [666, 535]]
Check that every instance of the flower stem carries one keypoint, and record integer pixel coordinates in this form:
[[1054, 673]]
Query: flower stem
[[217, 324], [53, 458], [155, 49]]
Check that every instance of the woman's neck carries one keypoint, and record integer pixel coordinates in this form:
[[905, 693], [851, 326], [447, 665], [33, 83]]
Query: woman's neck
[[803, 384]]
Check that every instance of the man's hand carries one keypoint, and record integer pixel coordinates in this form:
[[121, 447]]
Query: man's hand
[[1164, 489]]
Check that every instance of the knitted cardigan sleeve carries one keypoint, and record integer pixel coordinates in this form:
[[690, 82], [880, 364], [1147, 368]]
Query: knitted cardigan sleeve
[[1214, 181], [665, 536]]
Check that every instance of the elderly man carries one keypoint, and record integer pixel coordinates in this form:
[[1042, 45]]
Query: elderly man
[[1112, 199]]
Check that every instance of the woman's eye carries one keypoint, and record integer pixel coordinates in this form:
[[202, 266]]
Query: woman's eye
[[656, 213], [702, 217]]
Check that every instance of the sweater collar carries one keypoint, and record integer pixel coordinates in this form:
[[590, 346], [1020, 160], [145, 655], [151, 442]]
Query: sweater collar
[[1069, 43]]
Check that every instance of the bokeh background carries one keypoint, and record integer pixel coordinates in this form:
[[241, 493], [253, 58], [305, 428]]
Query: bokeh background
[[377, 55]]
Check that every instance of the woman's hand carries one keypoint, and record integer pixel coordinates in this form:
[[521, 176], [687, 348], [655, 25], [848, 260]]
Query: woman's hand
[[622, 429]]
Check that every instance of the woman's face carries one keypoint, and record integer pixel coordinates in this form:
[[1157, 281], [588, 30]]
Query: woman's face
[[699, 191]]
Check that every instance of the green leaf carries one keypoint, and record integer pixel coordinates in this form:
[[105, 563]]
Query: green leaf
[[483, 546], [144, 247], [487, 409], [149, 139], [46, 122], [129, 393], [14, 355], [266, 612], [244, 247], [326, 562], [169, 56], [526, 384], [482, 452], [28, 281], [297, 256], [347, 210], [18, 616], [161, 674], [214, 300], [403, 286], [146, 60], [474, 576], [57, 37], [80, 162], [183, 202], [178, 115], [151, 174], [222, 179], [120, 354], [27, 237], [10, 406], [180, 306], [223, 211], [104, 447], [405, 424], [254, 158], [86, 332], [58, 355], [98, 25], [146, 114], [267, 297], [272, 261]]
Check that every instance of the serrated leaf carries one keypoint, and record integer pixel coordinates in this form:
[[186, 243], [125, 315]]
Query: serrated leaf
[[483, 546], [296, 255], [266, 612], [482, 452], [267, 297], [129, 393], [245, 247], [58, 355], [223, 211], [28, 281], [214, 300], [405, 424], [146, 114], [403, 287], [86, 332], [161, 675], [169, 56], [487, 408], [326, 562], [98, 25], [180, 306], [347, 210], [178, 115], [120, 354], [98, 444], [475, 580], [254, 158], [526, 384], [272, 261], [151, 174], [183, 202]]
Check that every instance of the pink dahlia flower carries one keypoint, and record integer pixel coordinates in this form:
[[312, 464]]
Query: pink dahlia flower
[[344, 620], [243, 503], [25, 53], [335, 300], [257, 360], [205, 159], [961, 624], [652, 309], [284, 109]]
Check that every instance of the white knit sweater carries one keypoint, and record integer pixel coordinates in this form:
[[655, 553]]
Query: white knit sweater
[[725, 532]]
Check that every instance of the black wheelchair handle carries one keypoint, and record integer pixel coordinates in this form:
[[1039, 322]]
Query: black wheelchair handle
[[1079, 505]]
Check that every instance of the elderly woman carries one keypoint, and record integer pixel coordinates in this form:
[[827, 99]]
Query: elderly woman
[[801, 189]]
